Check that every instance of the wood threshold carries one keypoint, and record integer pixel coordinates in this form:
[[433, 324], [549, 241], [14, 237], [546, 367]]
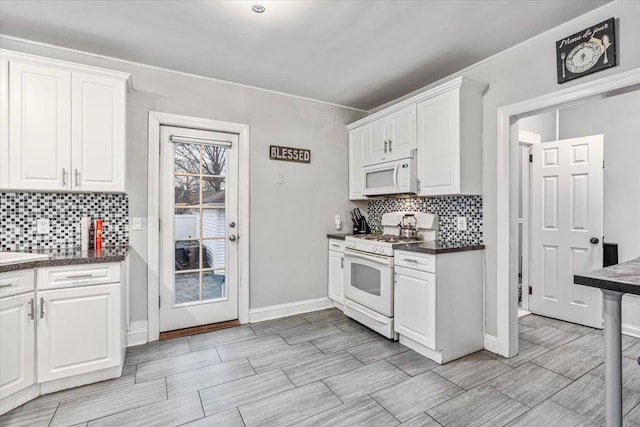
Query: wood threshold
[[198, 330]]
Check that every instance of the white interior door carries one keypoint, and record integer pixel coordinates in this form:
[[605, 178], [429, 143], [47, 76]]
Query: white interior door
[[567, 213], [199, 206]]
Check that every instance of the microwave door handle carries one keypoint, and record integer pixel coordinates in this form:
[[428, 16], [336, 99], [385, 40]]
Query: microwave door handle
[[396, 170]]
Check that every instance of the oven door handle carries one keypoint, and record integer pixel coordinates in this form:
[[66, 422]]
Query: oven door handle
[[378, 317], [373, 258]]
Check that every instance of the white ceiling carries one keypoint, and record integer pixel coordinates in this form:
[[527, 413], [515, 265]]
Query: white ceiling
[[354, 53]]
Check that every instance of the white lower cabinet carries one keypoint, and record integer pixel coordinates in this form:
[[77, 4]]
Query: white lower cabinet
[[415, 306], [17, 341], [438, 304], [67, 335], [78, 331], [336, 272]]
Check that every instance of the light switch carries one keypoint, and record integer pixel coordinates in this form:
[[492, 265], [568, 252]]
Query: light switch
[[136, 224], [280, 178]]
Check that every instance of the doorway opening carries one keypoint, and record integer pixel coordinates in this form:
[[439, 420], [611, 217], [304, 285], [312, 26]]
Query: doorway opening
[[507, 242]]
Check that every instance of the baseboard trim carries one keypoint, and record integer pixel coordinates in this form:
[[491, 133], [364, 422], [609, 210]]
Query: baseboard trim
[[631, 330], [491, 343], [138, 333], [289, 309]]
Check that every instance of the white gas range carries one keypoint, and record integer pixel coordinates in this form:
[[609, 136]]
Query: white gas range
[[368, 261]]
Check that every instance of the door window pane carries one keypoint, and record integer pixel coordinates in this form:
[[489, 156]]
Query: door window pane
[[199, 222], [213, 286]]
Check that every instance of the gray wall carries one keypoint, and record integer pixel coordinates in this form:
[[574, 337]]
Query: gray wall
[[289, 222], [618, 119], [526, 71]]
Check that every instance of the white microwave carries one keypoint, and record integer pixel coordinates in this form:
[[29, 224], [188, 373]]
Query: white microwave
[[394, 177]]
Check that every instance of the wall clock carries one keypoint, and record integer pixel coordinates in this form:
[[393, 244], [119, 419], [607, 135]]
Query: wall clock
[[590, 50]]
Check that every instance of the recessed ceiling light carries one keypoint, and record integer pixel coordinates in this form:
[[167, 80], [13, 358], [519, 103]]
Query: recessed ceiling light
[[258, 8]]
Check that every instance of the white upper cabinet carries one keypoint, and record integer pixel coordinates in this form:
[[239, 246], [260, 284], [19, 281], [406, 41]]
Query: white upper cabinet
[[67, 126], [391, 137], [450, 141], [39, 127], [4, 122], [444, 127], [98, 138], [357, 141]]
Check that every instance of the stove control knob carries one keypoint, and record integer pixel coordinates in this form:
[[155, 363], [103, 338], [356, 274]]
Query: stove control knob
[[377, 249]]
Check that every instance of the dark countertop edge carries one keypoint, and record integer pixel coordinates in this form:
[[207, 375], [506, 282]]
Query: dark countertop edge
[[415, 247], [609, 285], [338, 236], [64, 261]]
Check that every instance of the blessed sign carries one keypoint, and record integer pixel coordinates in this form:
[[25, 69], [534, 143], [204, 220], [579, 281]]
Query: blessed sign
[[289, 154]]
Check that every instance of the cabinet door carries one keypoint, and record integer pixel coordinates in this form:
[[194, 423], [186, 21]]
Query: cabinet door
[[376, 143], [415, 306], [78, 331], [17, 341], [4, 123], [402, 134], [357, 140], [39, 127], [99, 134], [336, 279], [439, 144]]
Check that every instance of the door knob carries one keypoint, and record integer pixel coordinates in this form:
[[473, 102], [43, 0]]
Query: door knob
[[594, 240], [232, 237], [232, 224]]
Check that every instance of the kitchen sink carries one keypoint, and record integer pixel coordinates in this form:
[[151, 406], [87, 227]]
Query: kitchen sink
[[19, 257]]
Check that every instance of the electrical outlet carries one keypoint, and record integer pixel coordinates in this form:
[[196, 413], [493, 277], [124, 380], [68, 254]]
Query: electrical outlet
[[462, 223], [42, 226], [280, 178]]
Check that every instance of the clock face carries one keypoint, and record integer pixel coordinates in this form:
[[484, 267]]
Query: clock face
[[583, 57]]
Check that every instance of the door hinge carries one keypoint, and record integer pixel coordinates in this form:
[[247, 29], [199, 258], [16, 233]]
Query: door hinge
[[530, 158], [159, 225], [530, 290], [603, 164], [158, 301]]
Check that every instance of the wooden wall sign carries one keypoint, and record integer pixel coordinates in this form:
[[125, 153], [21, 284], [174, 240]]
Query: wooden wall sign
[[590, 50], [289, 154]]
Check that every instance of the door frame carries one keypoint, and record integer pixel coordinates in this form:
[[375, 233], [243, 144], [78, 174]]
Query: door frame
[[157, 119], [507, 190], [526, 140]]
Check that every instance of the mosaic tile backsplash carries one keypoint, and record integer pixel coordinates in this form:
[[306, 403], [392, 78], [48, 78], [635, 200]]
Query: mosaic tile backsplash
[[19, 212], [448, 209]]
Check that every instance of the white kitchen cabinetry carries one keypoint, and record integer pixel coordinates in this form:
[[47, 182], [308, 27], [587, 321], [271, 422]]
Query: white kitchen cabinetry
[[4, 122], [39, 127], [60, 327], [444, 127], [357, 141], [67, 126], [392, 137], [450, 142], [336, 272], [17, 340], [78, 330], [438, 305]]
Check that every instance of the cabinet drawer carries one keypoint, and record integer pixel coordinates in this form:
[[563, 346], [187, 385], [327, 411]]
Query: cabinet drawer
[[423, 262], [78, 275], [16, 282], [336, 245]]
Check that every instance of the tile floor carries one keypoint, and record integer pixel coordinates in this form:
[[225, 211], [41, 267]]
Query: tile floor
[[324, 369]]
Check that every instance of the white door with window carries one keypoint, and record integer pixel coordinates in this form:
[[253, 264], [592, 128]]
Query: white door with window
[[567, 228], [198, 231]]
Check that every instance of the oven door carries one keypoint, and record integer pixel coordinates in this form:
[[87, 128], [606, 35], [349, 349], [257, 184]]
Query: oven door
[[368, 280]]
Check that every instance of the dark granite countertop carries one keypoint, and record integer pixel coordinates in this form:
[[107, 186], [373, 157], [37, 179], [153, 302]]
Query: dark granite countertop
[[339, 236], [623, 277], [70, 256], [435, 248]]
